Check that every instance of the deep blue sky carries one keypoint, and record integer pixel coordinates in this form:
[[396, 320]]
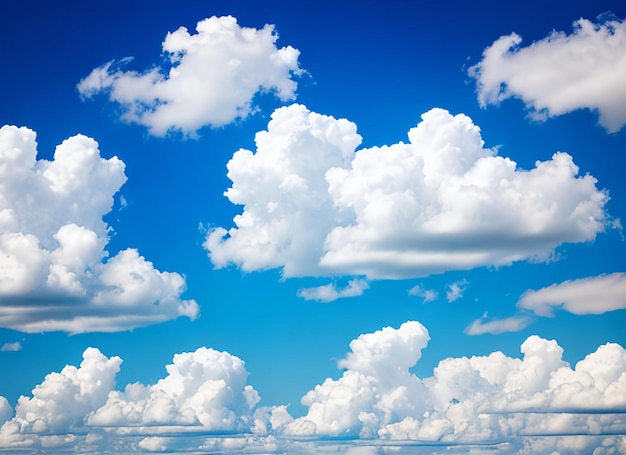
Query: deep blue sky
[[378, 64]]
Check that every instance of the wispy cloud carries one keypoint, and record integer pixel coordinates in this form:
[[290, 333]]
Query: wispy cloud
[[330, 292], [312, 205], [455, 290], [593, 295], [560, 73], [15, 346], [496, 326], [211, 77], [428, 295]]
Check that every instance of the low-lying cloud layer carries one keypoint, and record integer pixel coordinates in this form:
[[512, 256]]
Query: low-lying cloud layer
[[313, 205], [54, 271], [560, 73], [205, 403], [211, 78]]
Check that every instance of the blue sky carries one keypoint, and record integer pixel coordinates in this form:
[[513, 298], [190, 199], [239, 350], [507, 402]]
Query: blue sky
[[341, 226]]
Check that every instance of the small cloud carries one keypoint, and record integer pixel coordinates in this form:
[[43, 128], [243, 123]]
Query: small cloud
[[560, 73], [211, 78], [329, 292], [17, 346], [427, 295], [455, 290], [496, 326], [593, 295]]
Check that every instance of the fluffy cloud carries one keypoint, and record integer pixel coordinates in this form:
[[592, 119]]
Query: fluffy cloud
[[204, 388], [594, 295], [560, 73], [495, 326], [211, 78], [204, 392], [312, 205], [329, 292], [481, 399], [53, 273]]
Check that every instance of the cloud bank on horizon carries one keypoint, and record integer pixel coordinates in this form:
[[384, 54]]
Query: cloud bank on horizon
[[54, 270], [561, 73], [211, 78], [314, 205], [477, 400]]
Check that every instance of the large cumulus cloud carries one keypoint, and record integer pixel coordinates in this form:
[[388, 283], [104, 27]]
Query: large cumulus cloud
[[54, 270], [560, 73], [480, 399], [211, 78], [313, 205]]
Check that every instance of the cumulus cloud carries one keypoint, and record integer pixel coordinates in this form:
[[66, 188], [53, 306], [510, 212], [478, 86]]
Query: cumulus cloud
[[211, 77], [54, 271], [330, 292], [428, 295], [481, 399], [496, 326], [312, 205], [593, 295], [560, 73], [205, 388]]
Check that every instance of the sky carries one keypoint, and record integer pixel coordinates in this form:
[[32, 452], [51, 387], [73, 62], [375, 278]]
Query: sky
[[312, 227]]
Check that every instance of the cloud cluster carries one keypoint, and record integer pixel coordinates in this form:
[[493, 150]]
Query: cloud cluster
[[54, 274], [481, 399], [211, 78], [594, 295], [205, 404], [312, 205], [560, 73]]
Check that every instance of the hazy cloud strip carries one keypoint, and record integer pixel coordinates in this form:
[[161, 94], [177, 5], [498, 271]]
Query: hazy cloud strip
[[593, 295], [54, 271], [313, 205], [211, 79], [560, 73]]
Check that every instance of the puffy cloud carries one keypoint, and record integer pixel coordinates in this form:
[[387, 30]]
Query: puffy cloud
[[455, 290], [593, 295], [314, 206], [560, 73], [53, 272], [15, 346], [429, 295], [211, 77], [481, 399], [495, 326], [329, 292], [205, 388]]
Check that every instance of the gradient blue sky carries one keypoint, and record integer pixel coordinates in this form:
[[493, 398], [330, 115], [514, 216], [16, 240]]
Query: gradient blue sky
[[380, 65]]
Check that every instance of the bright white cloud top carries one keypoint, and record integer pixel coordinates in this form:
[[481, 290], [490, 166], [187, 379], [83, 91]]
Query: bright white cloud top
[[313, 205], [211, 78], [560, 73], [475, 400], [594, 295], [54, 271]]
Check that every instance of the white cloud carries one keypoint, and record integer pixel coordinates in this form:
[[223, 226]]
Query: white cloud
[[314, 206], [455, 290], [329, 292], [205, 388], [53, 269], [496, 326], [481, 399], [593, 295], [428, 295], [560, 73], [211, 78], [16, 346]]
